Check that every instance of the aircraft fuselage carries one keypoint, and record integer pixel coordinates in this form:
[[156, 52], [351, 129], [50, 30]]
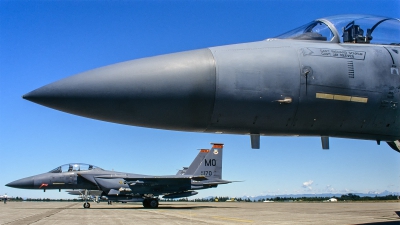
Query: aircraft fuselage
[[306, 82]]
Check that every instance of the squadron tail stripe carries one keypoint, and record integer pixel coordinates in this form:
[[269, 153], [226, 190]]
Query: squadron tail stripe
[[341, 97]]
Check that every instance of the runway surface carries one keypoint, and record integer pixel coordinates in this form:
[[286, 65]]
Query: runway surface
[[67, 213]]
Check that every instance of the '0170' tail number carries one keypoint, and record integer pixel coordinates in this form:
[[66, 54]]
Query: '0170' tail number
[[206, 173]]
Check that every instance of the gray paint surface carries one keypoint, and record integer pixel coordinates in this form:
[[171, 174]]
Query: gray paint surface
[[307, 85]]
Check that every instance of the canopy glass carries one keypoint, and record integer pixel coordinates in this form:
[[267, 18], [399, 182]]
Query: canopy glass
[[362, 29]]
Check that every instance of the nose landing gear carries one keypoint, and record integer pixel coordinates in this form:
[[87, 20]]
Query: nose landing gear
[[86, 205]]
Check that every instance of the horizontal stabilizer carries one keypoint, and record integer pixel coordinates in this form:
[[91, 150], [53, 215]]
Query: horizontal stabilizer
[[199, 178], [217, 181]]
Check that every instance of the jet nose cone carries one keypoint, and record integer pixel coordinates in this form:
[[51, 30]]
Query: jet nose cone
[[173, 91], [26, 183], [36, 96]]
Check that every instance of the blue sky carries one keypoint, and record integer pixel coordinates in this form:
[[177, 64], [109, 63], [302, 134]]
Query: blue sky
[[44, 41]]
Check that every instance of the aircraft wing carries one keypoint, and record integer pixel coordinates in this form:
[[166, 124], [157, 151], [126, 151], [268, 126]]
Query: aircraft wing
[[154, 179], [175, 180], [155, 185]]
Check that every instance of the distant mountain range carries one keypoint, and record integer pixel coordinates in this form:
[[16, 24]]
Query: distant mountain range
[[325, 195]]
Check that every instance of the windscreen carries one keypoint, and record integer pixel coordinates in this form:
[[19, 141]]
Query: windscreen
[[74, 167], [352, 28], [316, 30]]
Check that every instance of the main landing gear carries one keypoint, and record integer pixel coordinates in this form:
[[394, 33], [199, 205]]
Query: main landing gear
[[150, 203]]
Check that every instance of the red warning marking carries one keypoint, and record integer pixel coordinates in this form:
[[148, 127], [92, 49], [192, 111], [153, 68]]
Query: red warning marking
[[43, 185]]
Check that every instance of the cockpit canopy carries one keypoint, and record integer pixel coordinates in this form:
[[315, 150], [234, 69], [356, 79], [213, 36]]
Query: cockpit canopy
[[74, 167], [365, 29]]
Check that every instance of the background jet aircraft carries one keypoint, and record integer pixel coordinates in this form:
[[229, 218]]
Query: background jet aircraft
[[333, 77], [5, 195], [204, 172]]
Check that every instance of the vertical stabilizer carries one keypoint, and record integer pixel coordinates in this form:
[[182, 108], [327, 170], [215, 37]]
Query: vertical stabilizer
[[211, 165], [196, 162]]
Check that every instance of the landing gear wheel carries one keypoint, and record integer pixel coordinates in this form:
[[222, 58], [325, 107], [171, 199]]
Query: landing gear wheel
[[153, 203], [146, 203], [86, 205]]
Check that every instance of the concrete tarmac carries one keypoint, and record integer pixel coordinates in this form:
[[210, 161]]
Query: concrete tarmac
[[67, 213]]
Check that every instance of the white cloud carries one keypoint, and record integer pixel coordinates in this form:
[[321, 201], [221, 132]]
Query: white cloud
[[308, 184], [329, 188]]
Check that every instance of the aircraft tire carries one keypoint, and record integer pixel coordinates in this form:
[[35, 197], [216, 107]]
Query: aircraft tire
[[86, 205], [153, 203], [146, 203]]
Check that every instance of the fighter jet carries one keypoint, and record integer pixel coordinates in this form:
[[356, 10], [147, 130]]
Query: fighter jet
[[204, 172], [333, 77]]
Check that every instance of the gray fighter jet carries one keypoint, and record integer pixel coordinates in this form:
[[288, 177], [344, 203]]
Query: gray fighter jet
[[204, 172], [333, 77]]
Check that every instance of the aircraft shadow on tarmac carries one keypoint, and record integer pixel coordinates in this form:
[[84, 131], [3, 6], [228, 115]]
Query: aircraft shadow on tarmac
[[163, 207], [386, 222], [135, 207], [382, 223]]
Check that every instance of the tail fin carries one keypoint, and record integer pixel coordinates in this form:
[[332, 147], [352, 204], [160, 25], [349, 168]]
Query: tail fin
[[211, 165], [207, 163], [195, 164]]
